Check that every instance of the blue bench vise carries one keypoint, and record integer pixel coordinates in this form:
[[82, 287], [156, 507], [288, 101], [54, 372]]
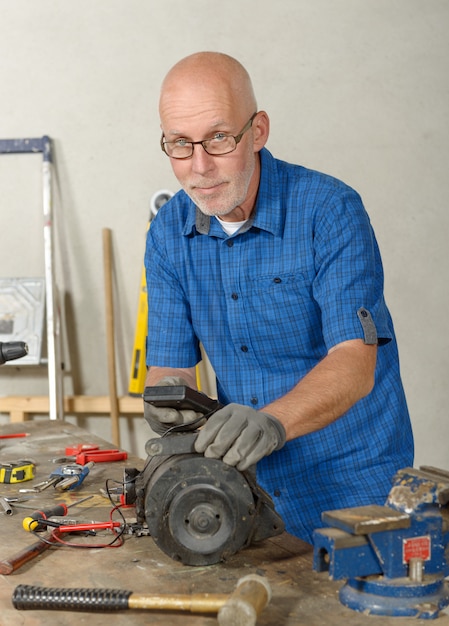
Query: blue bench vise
[[395, 557]]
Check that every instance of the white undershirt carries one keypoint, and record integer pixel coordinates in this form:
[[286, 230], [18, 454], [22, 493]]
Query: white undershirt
[[230, 227]]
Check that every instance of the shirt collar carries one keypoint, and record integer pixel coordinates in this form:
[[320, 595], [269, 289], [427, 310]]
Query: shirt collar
[[270, 212], [267, 215]]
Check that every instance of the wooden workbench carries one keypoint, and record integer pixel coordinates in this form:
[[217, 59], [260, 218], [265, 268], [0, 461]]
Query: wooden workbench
[[300, 596]]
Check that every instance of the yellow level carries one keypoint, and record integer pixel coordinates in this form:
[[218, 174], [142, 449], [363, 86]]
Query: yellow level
[[138, 364]]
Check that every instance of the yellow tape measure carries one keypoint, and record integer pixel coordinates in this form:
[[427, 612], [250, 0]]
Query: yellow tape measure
[[16, 472]]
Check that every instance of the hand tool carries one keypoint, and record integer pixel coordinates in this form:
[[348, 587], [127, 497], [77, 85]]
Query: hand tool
[[89, 527], [395, 557], [16, 471], [241, 608], [138, 366], [97, 456], [72, 475], [35, 521], [180, 397], [6, 506], [66, 477], [10, 503], [116, 495], [81, 447], [246, 602], [45, 484], [12, 350], [10, 565], [14, 435]]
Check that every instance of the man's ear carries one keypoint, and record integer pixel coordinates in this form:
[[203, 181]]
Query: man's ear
[[261, 130]]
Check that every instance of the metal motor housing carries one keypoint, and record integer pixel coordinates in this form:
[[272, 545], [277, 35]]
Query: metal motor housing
[[198, 510]]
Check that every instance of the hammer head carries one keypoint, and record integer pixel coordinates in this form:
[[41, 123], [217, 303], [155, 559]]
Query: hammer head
[[246, 603]]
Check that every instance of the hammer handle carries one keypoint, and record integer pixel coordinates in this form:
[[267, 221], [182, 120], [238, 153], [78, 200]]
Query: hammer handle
[[10, 565], [241, 608], [56, 599]]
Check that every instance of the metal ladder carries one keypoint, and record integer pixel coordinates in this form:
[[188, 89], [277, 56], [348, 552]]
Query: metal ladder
[[53, 323]]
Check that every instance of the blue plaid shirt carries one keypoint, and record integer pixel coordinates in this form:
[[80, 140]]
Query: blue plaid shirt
[[267, 303]]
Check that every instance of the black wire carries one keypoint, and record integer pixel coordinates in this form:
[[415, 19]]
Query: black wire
[[117, 534], [187, 426], [43, 539]]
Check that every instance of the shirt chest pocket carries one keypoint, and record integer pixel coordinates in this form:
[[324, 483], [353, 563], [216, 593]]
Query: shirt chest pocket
[[282, 308], [291, 294], [280, 283]]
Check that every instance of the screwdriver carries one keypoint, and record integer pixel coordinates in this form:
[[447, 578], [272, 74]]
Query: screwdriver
[[36, 522]]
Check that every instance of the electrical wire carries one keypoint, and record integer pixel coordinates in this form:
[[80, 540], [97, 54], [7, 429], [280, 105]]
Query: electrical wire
[[187, 426], [55, 536]]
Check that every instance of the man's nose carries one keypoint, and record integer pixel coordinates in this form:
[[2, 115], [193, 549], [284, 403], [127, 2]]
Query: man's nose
[[201, 161]]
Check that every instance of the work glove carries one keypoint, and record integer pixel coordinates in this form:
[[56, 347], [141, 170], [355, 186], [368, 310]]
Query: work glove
[[240, 436], [161, 418]]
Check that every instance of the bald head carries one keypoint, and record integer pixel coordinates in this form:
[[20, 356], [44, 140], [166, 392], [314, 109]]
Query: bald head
[[208, 97], [206, 75]]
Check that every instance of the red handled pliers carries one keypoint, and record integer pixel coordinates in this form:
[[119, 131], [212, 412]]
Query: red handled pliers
[[85, 453]]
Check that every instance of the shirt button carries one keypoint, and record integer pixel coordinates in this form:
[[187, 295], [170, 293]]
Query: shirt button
[[277, 493], [244, 348], [229, 243], [277, 279], [254, 400], [235, 296]]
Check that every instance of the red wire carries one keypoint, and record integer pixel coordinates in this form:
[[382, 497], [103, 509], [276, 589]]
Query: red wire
[[116, 543]]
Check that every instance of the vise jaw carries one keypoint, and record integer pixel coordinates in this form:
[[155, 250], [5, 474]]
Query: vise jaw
[[394, 557]]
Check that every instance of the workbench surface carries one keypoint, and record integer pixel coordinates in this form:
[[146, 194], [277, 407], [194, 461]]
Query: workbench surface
[[300, 595]]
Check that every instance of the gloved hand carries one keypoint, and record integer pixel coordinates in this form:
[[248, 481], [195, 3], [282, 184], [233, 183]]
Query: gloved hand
[[240, 436], [161, 418]]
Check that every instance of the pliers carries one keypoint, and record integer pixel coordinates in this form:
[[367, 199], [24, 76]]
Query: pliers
[[86, 453], [63, 478]]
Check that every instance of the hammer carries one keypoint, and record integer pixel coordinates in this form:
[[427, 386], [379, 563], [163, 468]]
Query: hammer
[[240, 608]]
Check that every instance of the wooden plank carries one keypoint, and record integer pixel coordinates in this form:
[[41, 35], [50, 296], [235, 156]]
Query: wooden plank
[[21, 408]]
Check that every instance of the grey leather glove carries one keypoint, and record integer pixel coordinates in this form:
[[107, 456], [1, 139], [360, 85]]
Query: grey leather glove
[[240, 436], [161, 418]]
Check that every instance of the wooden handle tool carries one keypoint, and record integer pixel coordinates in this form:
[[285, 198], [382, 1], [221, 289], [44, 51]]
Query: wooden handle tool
[[241, 608], [11, 564]]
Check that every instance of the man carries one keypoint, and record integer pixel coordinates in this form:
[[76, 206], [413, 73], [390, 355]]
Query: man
[[276, 271]]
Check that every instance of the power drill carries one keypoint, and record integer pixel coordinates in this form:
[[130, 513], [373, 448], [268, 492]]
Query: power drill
[[12, 350]]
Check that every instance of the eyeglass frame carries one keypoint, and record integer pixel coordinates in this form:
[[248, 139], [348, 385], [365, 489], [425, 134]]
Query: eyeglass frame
[[237, 138]]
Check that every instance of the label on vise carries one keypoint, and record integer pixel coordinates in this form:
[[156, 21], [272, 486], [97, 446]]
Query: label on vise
[[416, 548]]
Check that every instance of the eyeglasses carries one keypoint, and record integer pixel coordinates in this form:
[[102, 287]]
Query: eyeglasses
[[219, 144]]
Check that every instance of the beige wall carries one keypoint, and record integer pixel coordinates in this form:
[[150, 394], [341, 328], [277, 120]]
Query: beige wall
[[356, 89]]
